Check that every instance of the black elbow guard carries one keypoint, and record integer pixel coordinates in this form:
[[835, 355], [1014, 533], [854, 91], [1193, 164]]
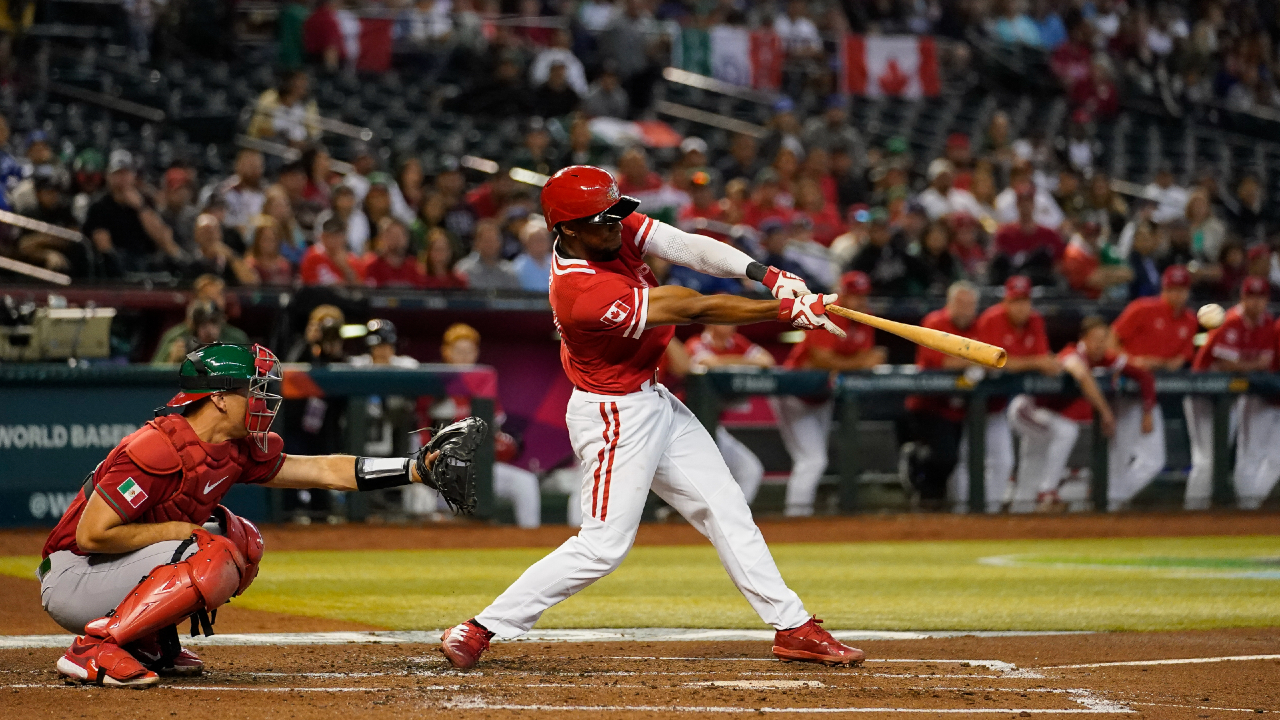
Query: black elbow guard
[[382, 473]]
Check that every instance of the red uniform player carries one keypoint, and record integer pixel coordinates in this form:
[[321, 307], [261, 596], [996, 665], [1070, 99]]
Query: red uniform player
[[629, 433]]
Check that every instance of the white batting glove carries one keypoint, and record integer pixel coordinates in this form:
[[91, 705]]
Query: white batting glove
[[783, 285], [809, 312]]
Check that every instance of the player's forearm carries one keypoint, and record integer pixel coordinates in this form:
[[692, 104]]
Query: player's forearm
[[323, 472], [1088, 387], [129, 537], [674, 305]]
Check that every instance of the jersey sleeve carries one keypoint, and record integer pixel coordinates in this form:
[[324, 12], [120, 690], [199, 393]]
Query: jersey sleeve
[[612, 306], [1125, 325], [128, 489], [259, 466]]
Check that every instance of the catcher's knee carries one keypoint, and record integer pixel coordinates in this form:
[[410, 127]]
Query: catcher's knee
[[246, 538]]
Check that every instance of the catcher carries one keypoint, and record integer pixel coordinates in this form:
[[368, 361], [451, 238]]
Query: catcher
[[151, 510]]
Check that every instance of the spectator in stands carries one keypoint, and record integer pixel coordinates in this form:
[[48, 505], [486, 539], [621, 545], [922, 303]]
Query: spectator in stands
[[1090, 268], [177, 206], [1249, 216], [1070, 196], [805, 423], [330, 261], [315, 162], [743, 160], [1026, 247], [410, 182], [533, 265], [939, 267], [1047, 212], [391, 266], [560, 53], [10, 168], [607, 97], [293, 241], [484, 268], [1170, 199], [125, 231], [583, 148], [349, 215], [820, 213], [942, 198], [1105, 207], [285, 113], [537, 154], [265, 259], [768, 201], [555, 97], [213, 257], [328, 35], [206, 323], [1143, 262], [431, 216], [39, 159], [502, 94], [1072, 61], [87, 179], [775, 239], [49, 251], [1208, 233], [937, 421], [1011, 26], [703, 205], [798, 33], [243, 192], [833, 128], [365, 164], [885, 260], [439, 255], [232, 236], [377, 206]]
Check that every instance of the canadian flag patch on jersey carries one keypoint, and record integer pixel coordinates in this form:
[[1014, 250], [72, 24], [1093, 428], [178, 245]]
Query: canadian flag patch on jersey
[[616, 313], [133, 494]]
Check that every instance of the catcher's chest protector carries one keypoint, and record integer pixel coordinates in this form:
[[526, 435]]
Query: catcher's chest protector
[[168, 445]]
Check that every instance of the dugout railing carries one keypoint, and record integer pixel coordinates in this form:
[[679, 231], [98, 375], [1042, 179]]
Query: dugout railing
[[708, 394], [57, 422]]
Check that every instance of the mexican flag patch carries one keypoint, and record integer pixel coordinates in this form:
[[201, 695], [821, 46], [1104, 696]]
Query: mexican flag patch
[[133, 494]]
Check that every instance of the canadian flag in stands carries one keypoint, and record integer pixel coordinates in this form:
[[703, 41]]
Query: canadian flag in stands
[[895, 66]]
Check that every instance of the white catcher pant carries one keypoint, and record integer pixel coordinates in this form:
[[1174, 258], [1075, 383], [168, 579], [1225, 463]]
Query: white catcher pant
[[997, 467], [805, 429], [1046, 439], [1134, 457], [743, 464], [627, 445]]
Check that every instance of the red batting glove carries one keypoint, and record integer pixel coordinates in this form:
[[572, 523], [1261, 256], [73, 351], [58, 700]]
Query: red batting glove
[[783, 285], [809, 312]]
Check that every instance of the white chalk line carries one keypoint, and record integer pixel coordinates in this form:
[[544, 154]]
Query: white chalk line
[[1179, 661], [481, 705], [1201, 707]]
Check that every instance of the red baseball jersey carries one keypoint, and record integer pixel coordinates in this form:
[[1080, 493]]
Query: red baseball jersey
[[860, 338], [993, 327], [1148, 327], [600, 310], [379, 273], [1237, 340], [1078, 408], [131, 491], [701, 346], [951, 407]]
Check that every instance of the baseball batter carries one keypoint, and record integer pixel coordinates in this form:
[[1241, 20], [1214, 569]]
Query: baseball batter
[[628, 432], [1157, 333], [1049, 426], [1013, 325], [723, 346], [1245, 342], [805, 423], [151, 510]]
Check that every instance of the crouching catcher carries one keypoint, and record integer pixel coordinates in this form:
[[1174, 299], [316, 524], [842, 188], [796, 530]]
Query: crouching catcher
[[152, 510]]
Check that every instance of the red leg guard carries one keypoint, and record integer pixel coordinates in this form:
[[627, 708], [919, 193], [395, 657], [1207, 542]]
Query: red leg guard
[[170, 593], [245, 536]]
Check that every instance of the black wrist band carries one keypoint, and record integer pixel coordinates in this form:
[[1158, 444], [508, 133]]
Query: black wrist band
[[756, 271], [382, 473]]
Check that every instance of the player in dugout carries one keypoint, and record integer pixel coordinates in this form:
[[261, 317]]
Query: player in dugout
[[629, 433], [152, 510], [804, 422]]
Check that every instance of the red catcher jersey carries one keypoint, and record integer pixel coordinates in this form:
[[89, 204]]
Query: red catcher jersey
[[1237, 341], [131, 491], [1148, 327], [600, 310], [860, 338], [951, 407]]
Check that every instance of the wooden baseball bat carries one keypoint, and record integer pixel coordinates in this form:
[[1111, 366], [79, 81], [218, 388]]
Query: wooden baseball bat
[[944, 342]]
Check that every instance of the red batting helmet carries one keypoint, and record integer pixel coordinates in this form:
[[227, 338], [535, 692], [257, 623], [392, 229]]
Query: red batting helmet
[[583, 192]]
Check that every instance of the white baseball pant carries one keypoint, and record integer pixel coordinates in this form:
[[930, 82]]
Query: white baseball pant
[[1134, 458], [746, 468], [1257, 456], [520, 487], [628, 444], [1199, 412], [997, 467], [805, 429], [1045, 442]]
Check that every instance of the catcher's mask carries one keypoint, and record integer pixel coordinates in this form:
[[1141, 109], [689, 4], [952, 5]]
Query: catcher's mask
[[220, 367]]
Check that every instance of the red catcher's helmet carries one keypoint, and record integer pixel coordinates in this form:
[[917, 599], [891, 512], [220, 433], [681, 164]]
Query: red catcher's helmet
[[583, 192]]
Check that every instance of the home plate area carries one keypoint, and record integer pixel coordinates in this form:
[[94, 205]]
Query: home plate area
[[1152, 675]]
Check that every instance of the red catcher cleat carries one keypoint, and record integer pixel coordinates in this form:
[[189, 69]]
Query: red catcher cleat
[[464, 643], [92, 660], [810, 643], [151, 654]]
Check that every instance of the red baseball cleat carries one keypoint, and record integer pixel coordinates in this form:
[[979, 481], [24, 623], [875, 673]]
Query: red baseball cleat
[[93, 660], [810, 643], [464, 643], [151, 654]]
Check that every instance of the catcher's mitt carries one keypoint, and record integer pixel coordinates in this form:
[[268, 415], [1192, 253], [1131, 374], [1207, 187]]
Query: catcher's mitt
[[453, 474]]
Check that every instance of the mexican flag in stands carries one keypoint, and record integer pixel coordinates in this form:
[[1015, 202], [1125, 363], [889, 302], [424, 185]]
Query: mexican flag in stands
[[741, 56], [894, 66]]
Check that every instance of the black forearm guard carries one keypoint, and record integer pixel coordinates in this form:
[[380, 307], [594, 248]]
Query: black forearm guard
[[756, 271], [382, 473]]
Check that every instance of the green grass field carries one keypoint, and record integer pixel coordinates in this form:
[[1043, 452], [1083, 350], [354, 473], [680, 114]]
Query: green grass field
[[1124, 584]]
